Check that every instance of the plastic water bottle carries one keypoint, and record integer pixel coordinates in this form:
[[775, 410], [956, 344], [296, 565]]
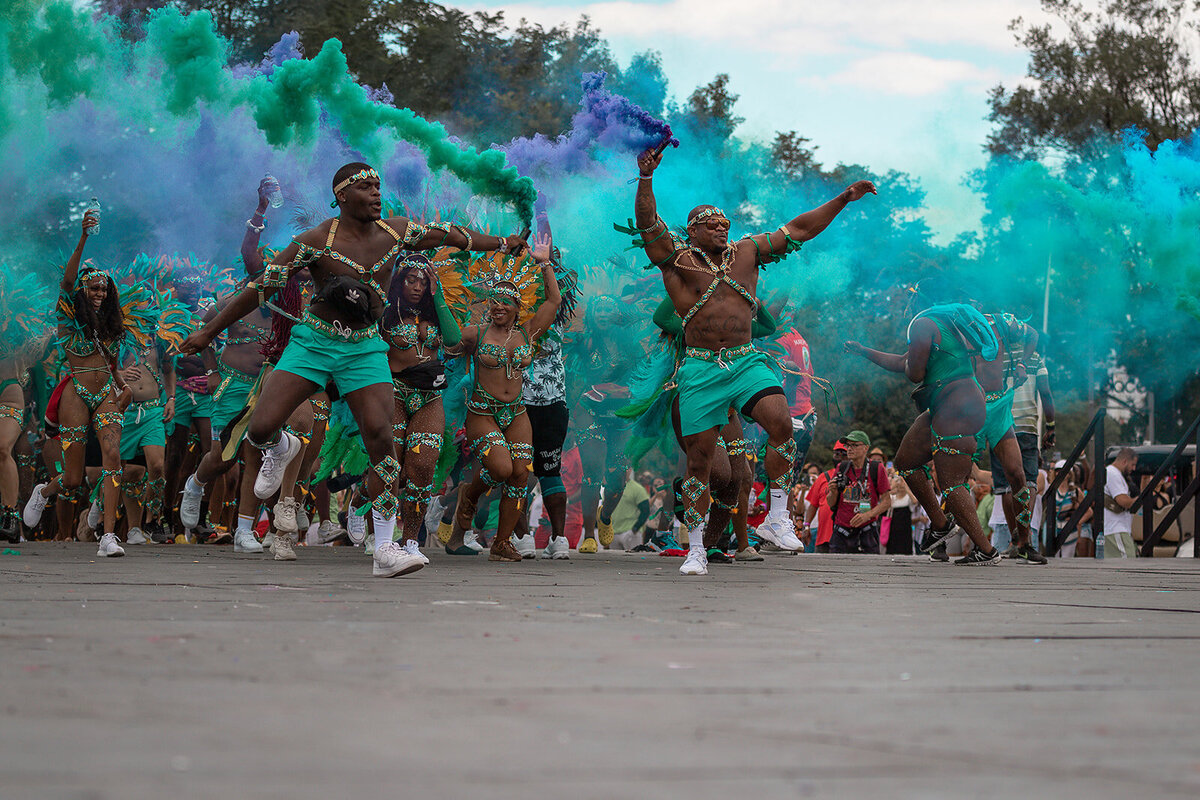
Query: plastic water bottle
[[94, 205], [276, 194]]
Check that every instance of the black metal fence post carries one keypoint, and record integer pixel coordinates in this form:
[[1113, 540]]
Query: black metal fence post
[[1099, 478]]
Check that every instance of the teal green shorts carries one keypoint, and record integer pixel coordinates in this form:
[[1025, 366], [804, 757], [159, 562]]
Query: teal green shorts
[[228, 400], [708, 389], [998, 423], [319, 357], [191, 406], [143, 427]]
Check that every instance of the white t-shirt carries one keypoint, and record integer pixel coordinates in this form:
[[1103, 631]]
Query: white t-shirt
[[1038, 511], [997, 517], [1115, 486]]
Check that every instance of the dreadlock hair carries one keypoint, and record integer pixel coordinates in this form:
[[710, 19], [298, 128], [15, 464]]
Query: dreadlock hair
[[289, 301], [107, 323], [397, 307]]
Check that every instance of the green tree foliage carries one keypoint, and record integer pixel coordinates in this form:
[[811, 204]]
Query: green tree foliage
[[1097, 73]]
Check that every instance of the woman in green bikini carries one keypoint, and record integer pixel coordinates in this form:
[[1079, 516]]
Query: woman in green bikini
[[942, 340], [497, 426], [91, 329], [417, 323]]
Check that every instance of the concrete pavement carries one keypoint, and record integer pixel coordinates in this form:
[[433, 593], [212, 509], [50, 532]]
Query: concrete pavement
[[190, 672]]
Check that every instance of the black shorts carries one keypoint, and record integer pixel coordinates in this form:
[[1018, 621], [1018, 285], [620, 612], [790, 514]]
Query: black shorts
[[549, 424]]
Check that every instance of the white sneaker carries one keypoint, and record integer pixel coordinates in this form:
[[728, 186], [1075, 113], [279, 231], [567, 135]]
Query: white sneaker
[[281, 547], [391, 560], [244, 541], [356, 528], [302, 520], [275, 461], [189, 506], [413, 549], [135, 536], [329, 531], [696, 563], [369, 544], [471, 540], [94, 515], [109, 546], [558, 547], [35, 506], [525, 545], [268, 539], [781, 533], [285, 515]]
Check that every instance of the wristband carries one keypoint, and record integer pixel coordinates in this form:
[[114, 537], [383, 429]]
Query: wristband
[[250, 226], [1050, 424]]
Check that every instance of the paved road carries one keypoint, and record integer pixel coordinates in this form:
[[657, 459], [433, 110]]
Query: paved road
[[189, 672]]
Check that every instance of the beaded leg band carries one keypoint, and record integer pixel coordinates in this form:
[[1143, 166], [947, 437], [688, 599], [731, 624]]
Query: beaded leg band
[[8, 412], [738, 447], [521, 451], [1025, 516], [386, 502], [511, 491], [939, 445], [264, 445], [153, 496], [419, 439], [320, 411], [72, 434], [398, 429], [417, 494], [107, 418], [786, 451], [692, 489], [904, 473]]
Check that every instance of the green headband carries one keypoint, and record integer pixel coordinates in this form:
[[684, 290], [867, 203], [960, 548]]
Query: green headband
[[362, 174], [705, 214]]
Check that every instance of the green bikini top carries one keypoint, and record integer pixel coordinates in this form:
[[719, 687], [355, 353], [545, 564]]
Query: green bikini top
[[500, 357]]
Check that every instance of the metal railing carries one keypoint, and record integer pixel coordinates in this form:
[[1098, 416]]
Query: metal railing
[[1094, 498], [1151, 533]]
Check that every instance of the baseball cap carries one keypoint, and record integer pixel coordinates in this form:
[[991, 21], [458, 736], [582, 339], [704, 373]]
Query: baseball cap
[[857, 436]]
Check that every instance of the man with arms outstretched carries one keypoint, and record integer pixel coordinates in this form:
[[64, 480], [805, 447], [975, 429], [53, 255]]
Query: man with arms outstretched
[[712, 283]]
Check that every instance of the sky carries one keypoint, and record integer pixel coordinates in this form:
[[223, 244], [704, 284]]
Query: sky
[[891, 85]]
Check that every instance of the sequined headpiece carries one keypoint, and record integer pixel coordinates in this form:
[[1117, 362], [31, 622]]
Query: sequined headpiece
[[361, 175], [87, 274], [505, 293], [711, 211]]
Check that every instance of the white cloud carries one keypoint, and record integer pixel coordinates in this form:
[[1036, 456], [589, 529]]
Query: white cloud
[[783, 26], [912, 74]]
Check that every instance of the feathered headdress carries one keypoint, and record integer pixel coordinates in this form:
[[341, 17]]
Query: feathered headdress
[[26, 308]]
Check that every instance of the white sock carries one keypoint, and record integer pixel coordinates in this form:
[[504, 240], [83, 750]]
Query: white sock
[[245, 523], [412, 541], [194, 485], [385, 528], [778, 502], [696, 538]]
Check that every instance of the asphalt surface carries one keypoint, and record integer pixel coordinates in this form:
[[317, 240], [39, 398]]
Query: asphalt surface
[[190, 672]]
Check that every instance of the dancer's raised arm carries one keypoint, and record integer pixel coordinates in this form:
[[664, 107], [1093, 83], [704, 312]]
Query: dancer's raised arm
[[72, 269]]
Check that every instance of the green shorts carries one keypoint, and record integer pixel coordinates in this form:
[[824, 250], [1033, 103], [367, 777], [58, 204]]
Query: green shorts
[[999, 421], [708, 386], [143, 427], [191, 406], [318, 354], [228, 400]]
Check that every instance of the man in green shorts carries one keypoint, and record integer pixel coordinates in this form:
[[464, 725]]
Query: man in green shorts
[[712, 284], [350, 259]]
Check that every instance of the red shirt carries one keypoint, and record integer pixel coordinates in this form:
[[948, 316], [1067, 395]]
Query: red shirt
[[797, 350], [816, 496], [860, 486]]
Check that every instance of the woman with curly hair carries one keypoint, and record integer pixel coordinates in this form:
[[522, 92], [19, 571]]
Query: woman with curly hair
[[91, 329], [417, 323], [497, 425]]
